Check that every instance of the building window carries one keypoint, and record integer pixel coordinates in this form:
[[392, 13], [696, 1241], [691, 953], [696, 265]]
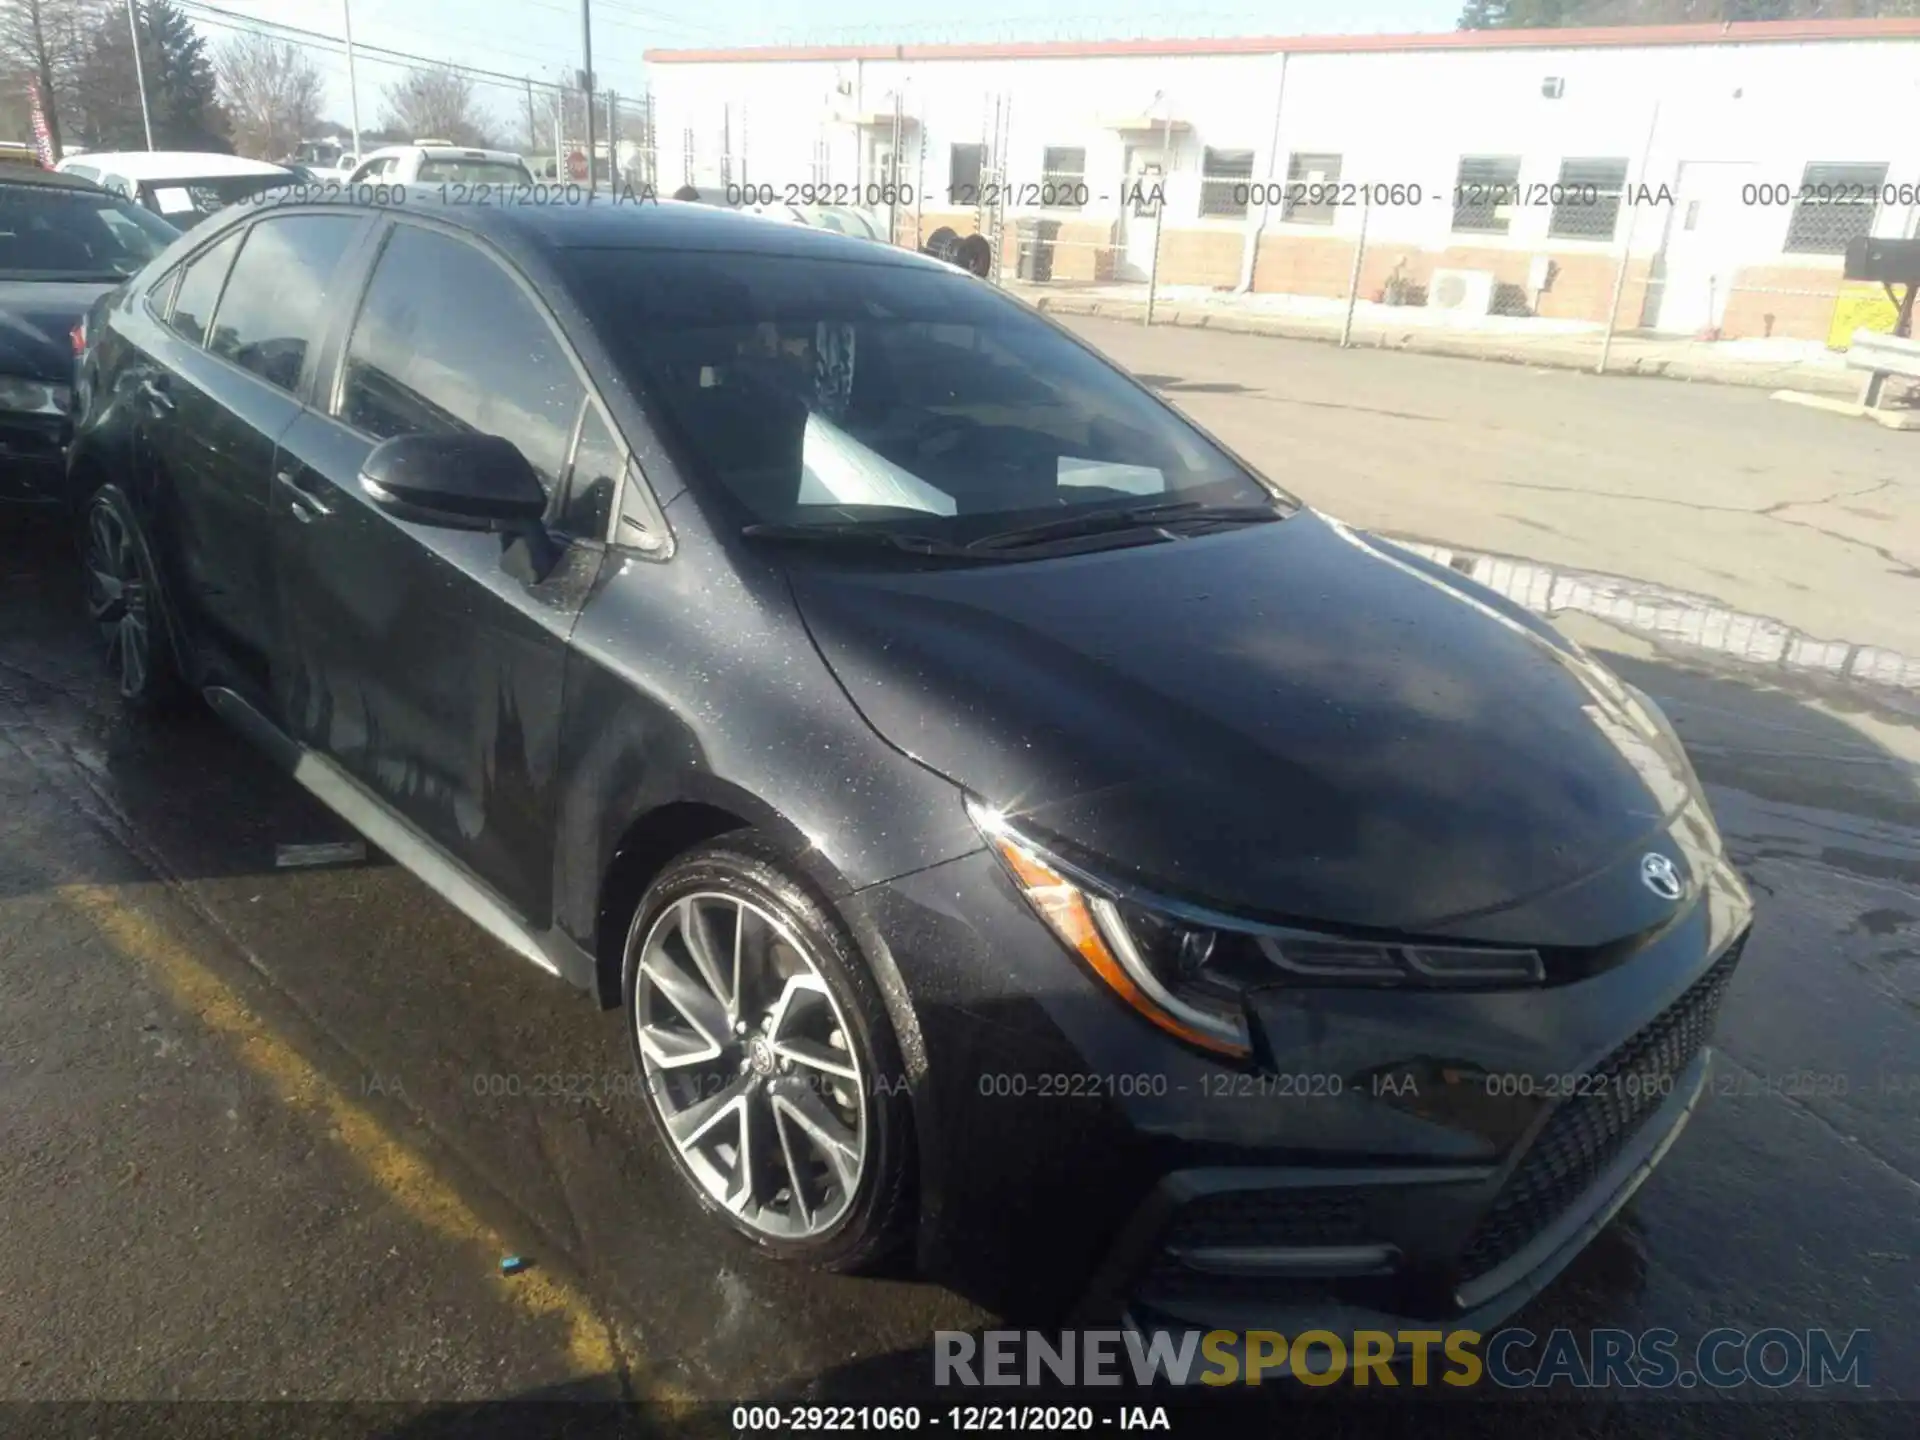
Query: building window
[[1063, 177], [1313, 188], [1836, 205], [1587, 204], [1484, 193], [963, 174], [1224, 177]]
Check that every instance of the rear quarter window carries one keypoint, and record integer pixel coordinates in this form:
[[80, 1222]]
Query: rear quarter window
[[473, 172]]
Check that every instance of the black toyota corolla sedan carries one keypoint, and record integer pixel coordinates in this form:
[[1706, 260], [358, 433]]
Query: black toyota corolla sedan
[[1006, 822]]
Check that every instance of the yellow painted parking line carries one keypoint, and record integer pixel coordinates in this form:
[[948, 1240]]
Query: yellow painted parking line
[[592, 1348]]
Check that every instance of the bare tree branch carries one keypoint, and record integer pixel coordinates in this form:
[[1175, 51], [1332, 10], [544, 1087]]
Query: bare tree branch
[[44, 40], [438, 104], [272, 91]]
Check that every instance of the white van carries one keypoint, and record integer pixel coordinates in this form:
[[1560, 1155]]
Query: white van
[[184, 186]]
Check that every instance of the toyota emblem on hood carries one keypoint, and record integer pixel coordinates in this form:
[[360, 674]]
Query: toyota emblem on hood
[[1661, 876]]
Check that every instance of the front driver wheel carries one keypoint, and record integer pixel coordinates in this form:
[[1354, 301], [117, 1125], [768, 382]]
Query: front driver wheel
[[125, 604], [769, 1063]]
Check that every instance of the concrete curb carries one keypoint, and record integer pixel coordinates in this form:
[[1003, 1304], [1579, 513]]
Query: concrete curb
[[1852, 409], [1539, 354]]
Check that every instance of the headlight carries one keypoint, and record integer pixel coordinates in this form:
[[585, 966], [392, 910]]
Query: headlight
[[1189, 972], [34, 397]]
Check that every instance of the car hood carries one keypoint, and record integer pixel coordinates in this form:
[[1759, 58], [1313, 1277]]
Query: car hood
[[1290, 721], [36, 321]]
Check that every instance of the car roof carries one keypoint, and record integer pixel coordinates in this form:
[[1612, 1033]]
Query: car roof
[[444, 152], [628, 221], [173, 164]]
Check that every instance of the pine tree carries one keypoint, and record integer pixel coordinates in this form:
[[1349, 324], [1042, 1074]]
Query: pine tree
[[181, 96], [181, 86]]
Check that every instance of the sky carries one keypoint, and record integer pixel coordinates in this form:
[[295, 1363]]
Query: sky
[[541, 38]]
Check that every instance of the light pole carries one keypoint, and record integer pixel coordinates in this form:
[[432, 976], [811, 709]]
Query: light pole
[[1166, 175], [140, 75], [586, 83], [1626, 243], [353, 83]]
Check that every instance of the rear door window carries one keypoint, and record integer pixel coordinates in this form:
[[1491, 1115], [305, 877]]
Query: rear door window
[[447, 343], [280, 294], [199, 292]]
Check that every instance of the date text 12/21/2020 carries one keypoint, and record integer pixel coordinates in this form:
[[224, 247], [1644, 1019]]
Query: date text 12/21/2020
[[1066, 194]]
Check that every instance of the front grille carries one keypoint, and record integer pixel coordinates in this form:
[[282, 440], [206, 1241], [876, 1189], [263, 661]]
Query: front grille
[[1590, 1130], [1268, 1217]]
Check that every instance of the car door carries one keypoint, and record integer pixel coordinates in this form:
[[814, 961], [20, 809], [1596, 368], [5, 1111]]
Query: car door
[[231, 357], [428, 663]]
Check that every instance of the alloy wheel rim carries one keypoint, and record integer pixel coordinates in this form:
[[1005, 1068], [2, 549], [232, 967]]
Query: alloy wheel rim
[[751, 1064], [117, 598]]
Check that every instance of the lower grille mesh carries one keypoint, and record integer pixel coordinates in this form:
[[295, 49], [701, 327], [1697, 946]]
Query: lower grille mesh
[[1590, 1130], [1254, 1218], [1268, 1217]]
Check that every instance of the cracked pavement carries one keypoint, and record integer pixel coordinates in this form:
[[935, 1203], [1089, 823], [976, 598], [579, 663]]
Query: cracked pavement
[[269, 1131], [1805, 517]]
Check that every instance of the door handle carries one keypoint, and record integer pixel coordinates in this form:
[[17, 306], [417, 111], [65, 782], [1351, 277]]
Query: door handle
[[303, 493], [154, 392]]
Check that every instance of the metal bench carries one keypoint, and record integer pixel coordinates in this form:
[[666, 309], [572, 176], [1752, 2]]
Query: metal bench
[[1891, 262]]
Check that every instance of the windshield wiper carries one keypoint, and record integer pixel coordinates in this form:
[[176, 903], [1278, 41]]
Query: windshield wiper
[[66, 277], [856, 534], [1132, 517]]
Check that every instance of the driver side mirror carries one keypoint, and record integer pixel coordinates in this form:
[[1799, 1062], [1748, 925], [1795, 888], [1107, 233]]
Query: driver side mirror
[[455, 482]]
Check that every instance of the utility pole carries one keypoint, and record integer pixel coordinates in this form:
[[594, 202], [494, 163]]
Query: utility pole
[[140, 74], [533, 132], [353, 83], [613, 143], [586, 82]]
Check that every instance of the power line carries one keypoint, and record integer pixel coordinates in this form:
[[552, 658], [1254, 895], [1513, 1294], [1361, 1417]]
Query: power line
[[335, 45]]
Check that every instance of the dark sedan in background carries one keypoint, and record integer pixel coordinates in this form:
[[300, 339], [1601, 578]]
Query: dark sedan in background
[[1003, 819], [64, 242]]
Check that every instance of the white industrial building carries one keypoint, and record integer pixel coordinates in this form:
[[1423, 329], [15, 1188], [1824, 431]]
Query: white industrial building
[[1724, 167]]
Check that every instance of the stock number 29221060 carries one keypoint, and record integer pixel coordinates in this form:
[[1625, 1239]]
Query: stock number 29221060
[[821, 192]]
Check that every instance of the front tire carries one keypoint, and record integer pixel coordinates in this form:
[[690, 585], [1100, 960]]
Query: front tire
[[769, 1063], [125, 603]]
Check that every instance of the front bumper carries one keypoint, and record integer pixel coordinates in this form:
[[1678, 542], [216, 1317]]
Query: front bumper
[[1403, 1158], [1535, 1215], [32, 460]]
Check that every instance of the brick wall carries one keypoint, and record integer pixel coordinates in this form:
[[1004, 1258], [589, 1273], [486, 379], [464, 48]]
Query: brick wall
[[1201, 257], [1303, 264], [1323, 265], [1795, 301]]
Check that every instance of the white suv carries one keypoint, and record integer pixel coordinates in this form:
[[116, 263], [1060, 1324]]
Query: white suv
[[433, 164]]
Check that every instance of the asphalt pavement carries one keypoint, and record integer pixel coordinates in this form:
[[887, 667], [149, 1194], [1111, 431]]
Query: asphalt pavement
[[269, 1133]]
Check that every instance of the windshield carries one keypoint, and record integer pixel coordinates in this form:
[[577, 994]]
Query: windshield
[[475, 172], [822, 391], [56, 234], [188, 201]]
